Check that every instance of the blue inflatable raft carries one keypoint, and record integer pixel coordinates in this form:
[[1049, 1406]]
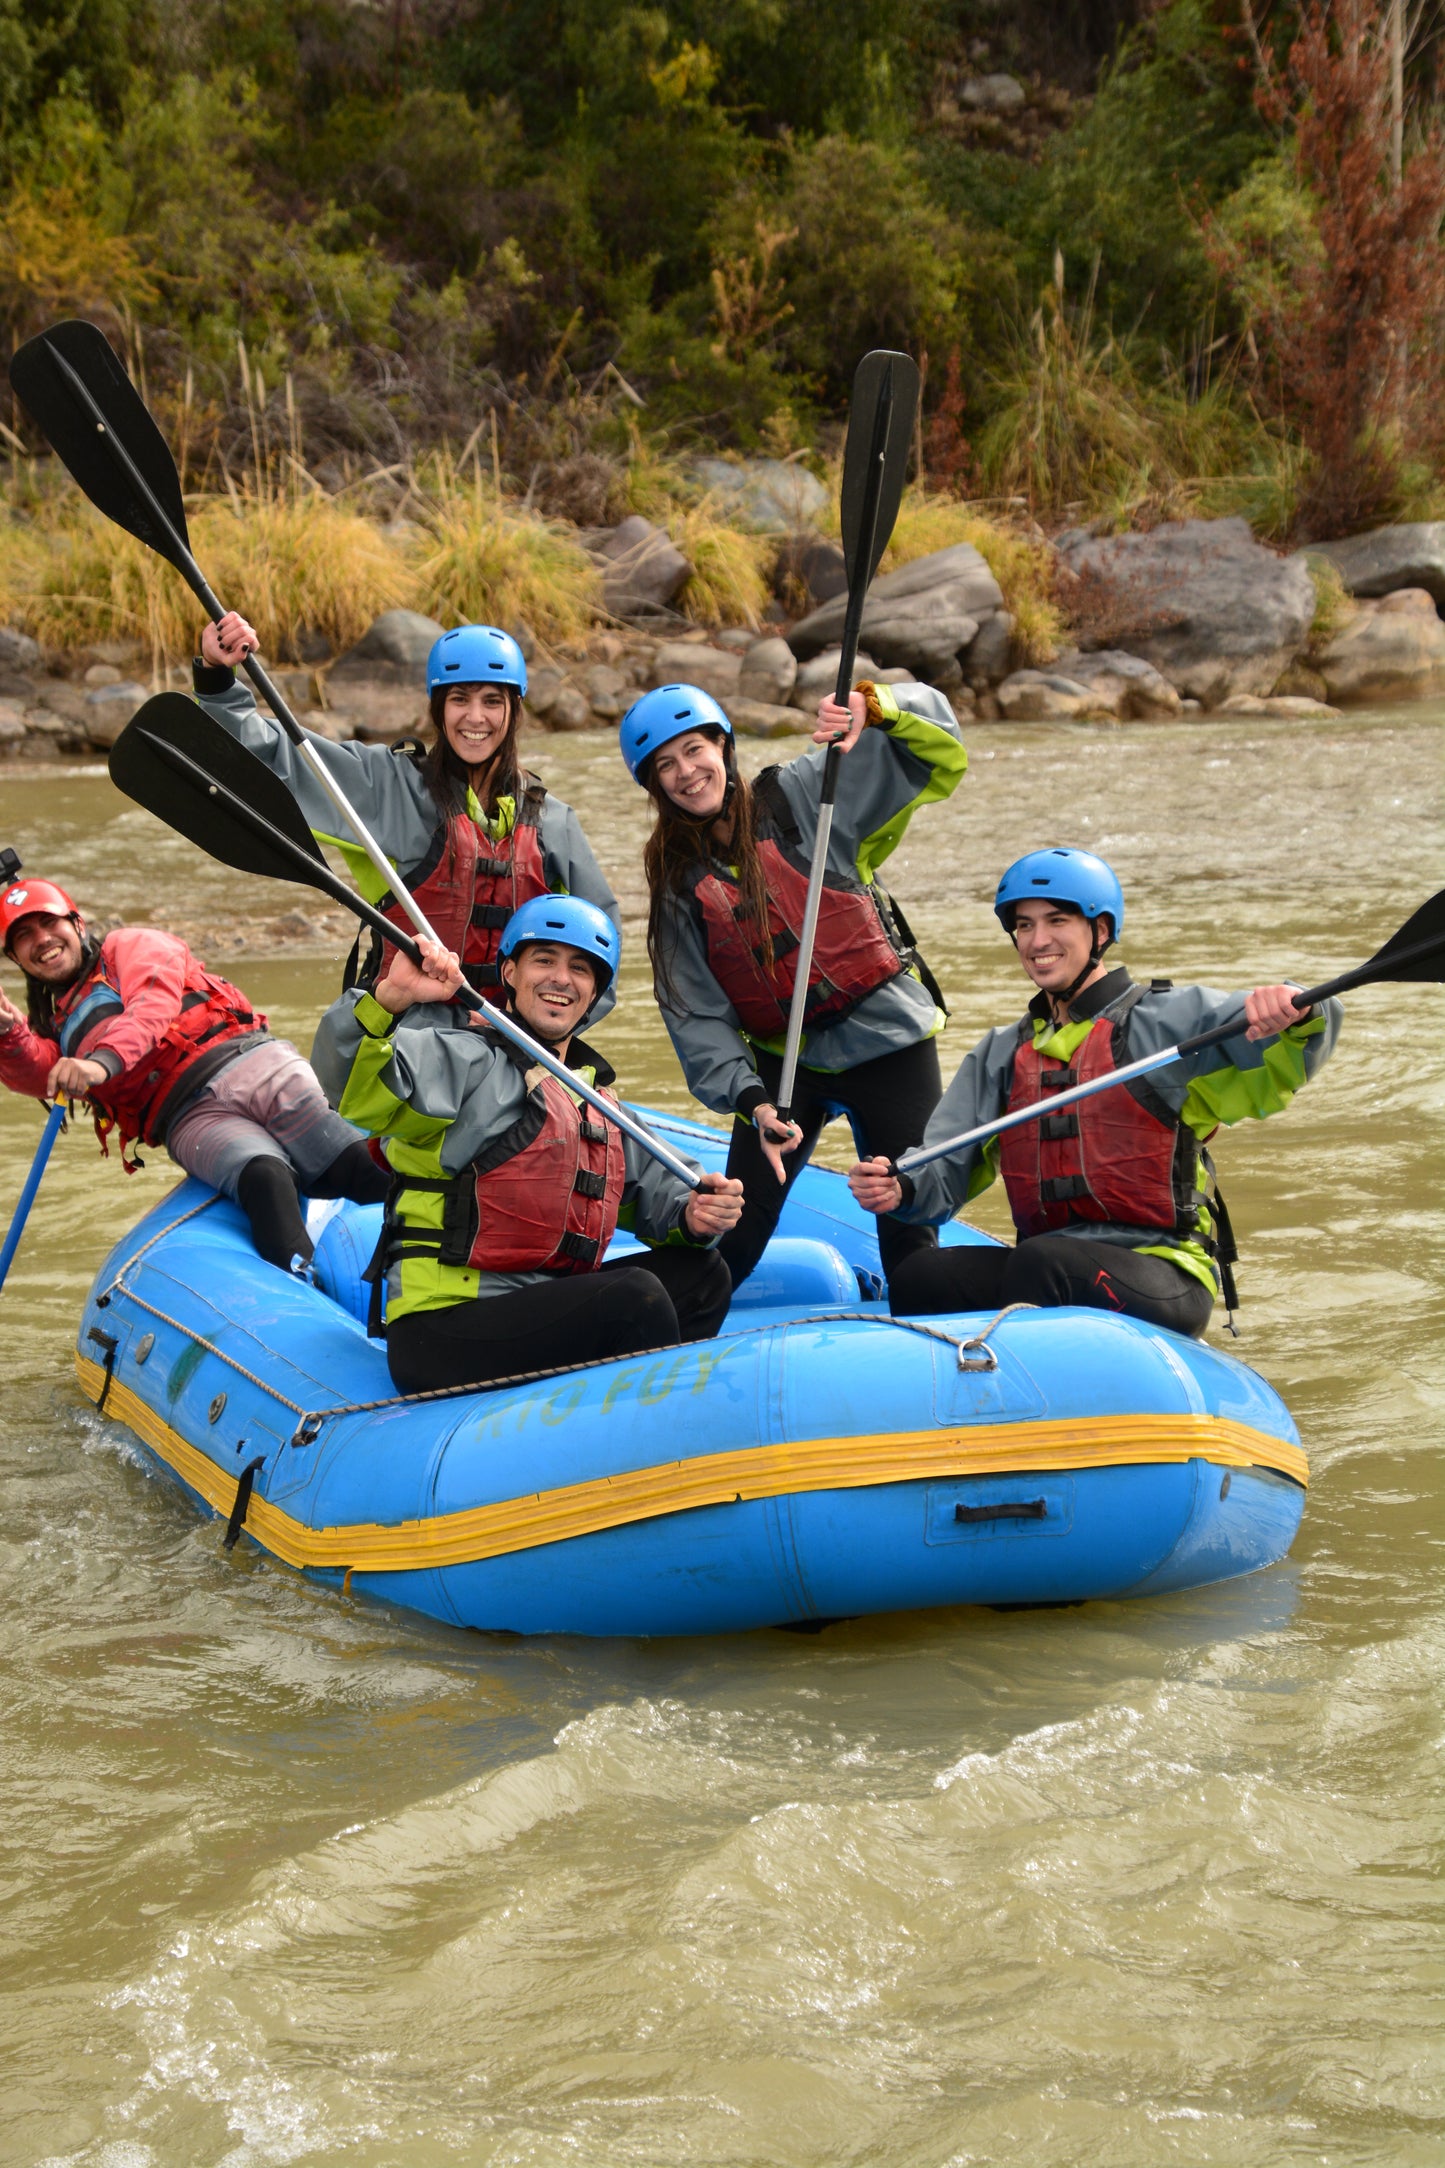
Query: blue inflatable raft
[[819, 1460]]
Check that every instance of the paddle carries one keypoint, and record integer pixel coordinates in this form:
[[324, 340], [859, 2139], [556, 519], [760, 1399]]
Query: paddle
[[1414, 955], [54, 1123], [181, 766], [880, 436], [72, 382]]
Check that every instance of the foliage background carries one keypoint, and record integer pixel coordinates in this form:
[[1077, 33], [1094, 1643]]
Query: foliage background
[[555, 234]]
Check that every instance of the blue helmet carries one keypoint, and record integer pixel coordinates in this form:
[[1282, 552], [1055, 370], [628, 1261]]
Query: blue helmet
[[476, 655], [1063, 876], [663, 714], [572, 920]]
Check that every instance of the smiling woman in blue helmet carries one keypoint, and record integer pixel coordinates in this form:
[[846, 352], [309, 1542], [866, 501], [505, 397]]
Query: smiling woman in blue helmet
[[727, 870], [472, 834], [506, 1190], [1111, 1198]]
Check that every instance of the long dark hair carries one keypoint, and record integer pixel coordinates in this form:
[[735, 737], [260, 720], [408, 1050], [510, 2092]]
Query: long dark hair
[[40, 996], [681, 845], [445, 772]]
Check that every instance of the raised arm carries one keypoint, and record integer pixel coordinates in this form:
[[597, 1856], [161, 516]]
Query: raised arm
[[385, 789], [908, 756]]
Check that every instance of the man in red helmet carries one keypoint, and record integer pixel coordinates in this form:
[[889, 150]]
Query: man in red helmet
[[166, 1053]]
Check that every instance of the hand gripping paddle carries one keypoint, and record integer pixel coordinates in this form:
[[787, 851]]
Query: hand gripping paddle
[[880, 434], [1414, 955], [180, 765]]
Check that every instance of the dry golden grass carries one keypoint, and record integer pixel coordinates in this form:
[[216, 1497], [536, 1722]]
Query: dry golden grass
[[486, 564], [729, 584], [69, 577], [1022, 565]]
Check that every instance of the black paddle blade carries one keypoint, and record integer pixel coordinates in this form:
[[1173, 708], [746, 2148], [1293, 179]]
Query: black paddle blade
[[1417, 952], [38, 373], [880, 435], [170, 757]]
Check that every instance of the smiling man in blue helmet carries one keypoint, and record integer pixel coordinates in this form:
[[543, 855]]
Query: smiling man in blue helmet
[[473, 834], [1111, 1199], [506, 1190]]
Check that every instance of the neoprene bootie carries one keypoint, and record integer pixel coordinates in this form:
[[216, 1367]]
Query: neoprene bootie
[[267, 1194]]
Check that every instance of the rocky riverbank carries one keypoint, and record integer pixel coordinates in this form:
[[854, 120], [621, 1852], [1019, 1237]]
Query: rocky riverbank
[[1192, 618]]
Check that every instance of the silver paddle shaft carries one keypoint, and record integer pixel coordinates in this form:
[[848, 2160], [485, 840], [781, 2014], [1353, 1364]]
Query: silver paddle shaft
[[807, 940], [923, 1155]]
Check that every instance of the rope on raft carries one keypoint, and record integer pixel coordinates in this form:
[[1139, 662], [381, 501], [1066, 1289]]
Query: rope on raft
[[973, 1354]]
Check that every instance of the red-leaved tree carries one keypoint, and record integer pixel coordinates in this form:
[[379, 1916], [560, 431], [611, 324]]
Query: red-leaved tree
[[1355, 342]]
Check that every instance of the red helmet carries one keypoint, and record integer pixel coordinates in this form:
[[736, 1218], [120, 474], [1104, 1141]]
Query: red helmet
[[25, 899]]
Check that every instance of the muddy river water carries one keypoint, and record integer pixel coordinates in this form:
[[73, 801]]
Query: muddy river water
[[288, 1877]]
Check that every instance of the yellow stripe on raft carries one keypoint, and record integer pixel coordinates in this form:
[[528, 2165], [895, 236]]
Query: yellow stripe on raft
[[762, 1471]]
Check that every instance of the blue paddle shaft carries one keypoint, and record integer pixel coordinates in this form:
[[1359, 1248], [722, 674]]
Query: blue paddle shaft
[[54, 1122]]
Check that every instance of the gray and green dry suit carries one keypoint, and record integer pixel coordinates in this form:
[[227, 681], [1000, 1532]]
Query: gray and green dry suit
[[391, 796], [1234, 1081], [911, 757], [439, 1090]]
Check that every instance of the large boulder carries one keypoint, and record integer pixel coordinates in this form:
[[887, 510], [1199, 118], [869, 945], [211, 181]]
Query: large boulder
[[1392, 650], [392, 651], [762, 718], [1124, 686], [919, 619], [643, 571], [1382, 563], [810, 570], [610, 691], [1284, 707], [377, 711], [769, 670], [109, 708], [820, 675], [693, 662], [766, 496], [990, 656], [993, 94], [17, 650], [1199, 598], [1046, 696]]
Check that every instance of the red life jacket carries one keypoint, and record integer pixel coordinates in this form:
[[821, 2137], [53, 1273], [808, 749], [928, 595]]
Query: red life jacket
[[1123, 1156], [858, 947], [542, 1197], [199, 1041], [469, 886]]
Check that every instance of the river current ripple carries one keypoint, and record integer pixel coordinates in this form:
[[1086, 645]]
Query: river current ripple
[[288, 1878]]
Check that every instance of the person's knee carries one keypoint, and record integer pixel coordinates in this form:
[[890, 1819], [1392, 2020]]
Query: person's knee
[[1039, 1270], [353, 1174], [932, 1282], [701, 1301], [643, 1312], [914, 1284]]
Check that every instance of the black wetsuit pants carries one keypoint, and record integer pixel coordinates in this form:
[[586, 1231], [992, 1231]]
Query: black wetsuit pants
[[887, 1102], [1053, 1270], [653, 1299]]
